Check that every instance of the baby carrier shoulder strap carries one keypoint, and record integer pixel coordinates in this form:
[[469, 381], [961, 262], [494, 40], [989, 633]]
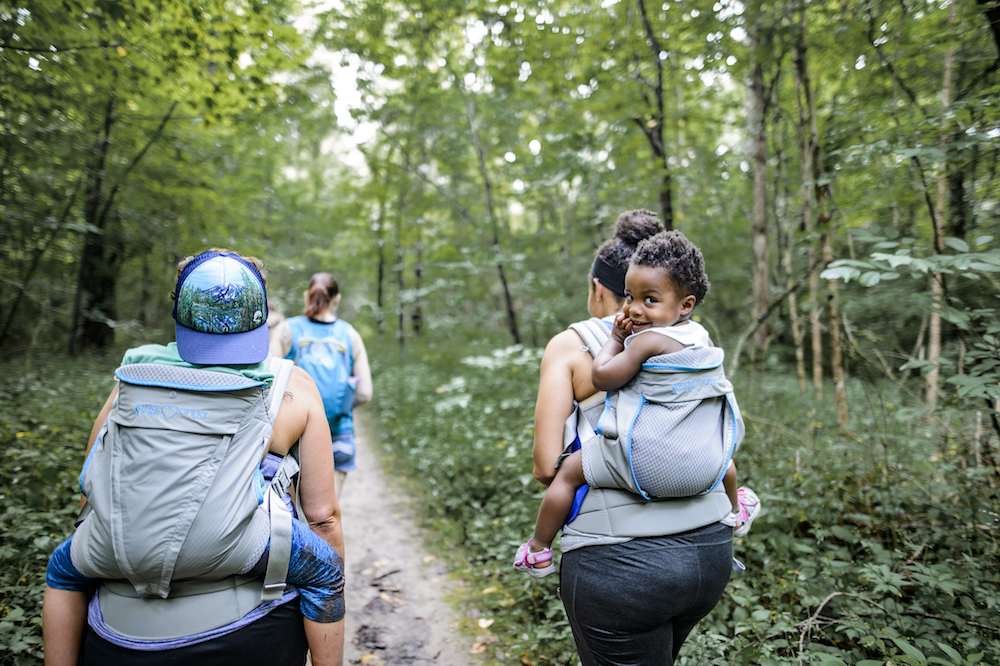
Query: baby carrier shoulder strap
[[594, 333], [281, 518]]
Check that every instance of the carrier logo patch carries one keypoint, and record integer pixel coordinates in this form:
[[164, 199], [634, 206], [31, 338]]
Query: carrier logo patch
[[170, 411], [694, 384]]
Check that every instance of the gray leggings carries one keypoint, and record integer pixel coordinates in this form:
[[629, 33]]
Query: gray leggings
[[633, 604]]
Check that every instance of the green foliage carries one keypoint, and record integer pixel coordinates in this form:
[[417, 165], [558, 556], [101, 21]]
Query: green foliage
[[873, 546], [46, 415], [968, 303]]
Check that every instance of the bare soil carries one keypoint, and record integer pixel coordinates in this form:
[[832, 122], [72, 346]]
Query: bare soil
[[397, 612]]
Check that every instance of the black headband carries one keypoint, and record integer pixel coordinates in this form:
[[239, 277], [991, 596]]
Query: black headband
[[609, 276]]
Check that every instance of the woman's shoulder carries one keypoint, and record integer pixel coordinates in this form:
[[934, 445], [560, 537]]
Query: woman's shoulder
[[572, 338], [564, 343]]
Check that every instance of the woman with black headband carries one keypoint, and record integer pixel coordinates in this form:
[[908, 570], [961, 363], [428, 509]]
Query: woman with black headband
[[671, 558]]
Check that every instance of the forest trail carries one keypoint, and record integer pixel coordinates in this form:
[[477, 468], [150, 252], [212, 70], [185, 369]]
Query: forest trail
[[396, 608]]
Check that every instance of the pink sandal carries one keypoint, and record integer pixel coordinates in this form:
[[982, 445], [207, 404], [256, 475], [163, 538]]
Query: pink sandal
[[525, 561]]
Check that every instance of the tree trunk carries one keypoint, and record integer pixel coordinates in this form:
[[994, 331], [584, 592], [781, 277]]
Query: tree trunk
[[937, 280], [806, 141], [757, 127], [94, 308], [825, 226], [494, 223], [677, 212], [380, 270], [836, 353], [785, 232], [416, 316], [399, 268], [88, 328], [652, 125]]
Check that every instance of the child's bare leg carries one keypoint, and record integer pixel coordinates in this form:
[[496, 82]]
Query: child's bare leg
[[729, 483], [557, 503], [64, 618]]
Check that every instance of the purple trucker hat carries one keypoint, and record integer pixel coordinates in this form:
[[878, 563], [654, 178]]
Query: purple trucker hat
[[220, 306]]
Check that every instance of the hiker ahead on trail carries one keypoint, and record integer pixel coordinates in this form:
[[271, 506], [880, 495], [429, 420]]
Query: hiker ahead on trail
[[333, 354]]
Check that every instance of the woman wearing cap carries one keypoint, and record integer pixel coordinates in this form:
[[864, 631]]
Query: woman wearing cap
[[220, 312], [662, 565], [334, 355]]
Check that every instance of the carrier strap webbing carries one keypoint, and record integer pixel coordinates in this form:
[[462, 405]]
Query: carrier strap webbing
[[280, 551], [594, 333]]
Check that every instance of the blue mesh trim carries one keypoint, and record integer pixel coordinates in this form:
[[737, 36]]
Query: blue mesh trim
[[607, 410], [652, 365], [188, 379], [631, 427], [98, 442]]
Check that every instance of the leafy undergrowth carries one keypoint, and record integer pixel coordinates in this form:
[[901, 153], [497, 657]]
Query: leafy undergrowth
[[875, 546], [46, 412]]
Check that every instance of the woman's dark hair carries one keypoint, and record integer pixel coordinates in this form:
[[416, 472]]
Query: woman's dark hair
[[323, 289], [631, 228], [680, 258]]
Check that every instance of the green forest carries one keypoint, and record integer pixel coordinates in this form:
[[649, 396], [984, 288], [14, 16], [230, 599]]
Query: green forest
[[455, 165]]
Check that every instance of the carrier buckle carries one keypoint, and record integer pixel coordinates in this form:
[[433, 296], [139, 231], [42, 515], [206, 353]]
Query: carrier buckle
[[272, 591]]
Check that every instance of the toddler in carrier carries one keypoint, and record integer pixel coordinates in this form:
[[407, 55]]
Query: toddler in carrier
[[671, 423]]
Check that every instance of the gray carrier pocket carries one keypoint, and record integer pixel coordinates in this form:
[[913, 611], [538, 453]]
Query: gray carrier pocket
[[166, 452]]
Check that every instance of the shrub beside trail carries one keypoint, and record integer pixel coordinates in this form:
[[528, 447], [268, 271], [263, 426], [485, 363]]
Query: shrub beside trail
[[46, 412]]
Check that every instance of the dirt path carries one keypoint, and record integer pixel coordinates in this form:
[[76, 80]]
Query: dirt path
[[396, 613]]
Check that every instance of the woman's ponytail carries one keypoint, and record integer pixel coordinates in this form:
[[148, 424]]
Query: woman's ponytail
[[323, 289]]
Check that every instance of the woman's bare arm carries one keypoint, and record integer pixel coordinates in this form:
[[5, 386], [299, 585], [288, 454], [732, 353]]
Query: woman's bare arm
[[302, 415], [364, 390], [565, 374]]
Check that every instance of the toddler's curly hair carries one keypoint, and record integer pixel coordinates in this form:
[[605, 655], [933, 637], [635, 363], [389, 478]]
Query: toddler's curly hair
[[679, 257]]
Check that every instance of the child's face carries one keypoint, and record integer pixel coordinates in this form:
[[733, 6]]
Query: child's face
[[652, 300]]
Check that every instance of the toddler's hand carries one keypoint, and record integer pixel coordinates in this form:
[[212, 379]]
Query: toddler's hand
[[622, 328]]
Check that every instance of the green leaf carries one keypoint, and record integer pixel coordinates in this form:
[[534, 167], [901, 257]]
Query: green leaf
[[950, 651], [870, 279], [845, 273], [956, 244], [909, 649], [830, 660]]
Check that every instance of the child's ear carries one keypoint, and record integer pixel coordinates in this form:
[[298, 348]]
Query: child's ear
[[688, 303]]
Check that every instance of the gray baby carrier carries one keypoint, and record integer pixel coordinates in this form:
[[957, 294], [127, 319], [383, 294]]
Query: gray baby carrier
[[609, 515], [671, 431], [177, 509]]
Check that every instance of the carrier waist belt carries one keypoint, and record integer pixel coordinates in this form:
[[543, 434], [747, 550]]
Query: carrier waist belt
[[193, 607]]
